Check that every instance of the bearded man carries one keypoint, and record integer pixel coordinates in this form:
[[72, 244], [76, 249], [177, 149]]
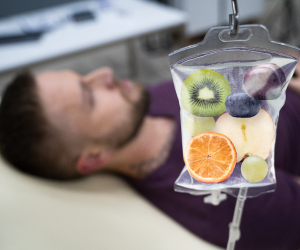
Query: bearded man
[[62, 125]]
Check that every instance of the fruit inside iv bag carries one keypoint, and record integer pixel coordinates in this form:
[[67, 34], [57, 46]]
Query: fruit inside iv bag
[[210, 157], [242, 118], [254, 168], [250, 136], [264, 82], [242, 105], [204, 93], [196, 124]]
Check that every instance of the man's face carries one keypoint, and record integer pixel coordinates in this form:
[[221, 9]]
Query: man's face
[[95, 108]]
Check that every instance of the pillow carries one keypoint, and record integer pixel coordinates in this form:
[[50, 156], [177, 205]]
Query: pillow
[[98, 212]]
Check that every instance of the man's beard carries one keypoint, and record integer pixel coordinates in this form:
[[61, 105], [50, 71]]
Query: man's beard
[[125, 132], [138, 113]]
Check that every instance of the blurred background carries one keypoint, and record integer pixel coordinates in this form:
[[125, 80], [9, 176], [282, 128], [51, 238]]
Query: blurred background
[[134, 37]]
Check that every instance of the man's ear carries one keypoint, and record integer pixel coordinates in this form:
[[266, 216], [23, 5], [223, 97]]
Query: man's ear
[[89, 162]]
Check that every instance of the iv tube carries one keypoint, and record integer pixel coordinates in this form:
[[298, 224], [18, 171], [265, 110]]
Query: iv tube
[[234, 226]]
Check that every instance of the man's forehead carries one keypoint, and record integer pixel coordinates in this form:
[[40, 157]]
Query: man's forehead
[[58, 91], [56, 76], [61, 98], [56, 84]]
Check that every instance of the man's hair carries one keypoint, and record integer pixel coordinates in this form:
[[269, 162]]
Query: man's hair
[[27, 139]]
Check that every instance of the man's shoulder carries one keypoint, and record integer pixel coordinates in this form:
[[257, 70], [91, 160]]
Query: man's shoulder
[[162, 88], [163, 97]]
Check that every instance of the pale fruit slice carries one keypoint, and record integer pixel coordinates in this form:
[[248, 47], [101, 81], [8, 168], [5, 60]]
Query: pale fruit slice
[[196, 125], [250, 136]]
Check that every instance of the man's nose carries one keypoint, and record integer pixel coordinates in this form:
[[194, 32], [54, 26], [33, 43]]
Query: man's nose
[[101, 77]]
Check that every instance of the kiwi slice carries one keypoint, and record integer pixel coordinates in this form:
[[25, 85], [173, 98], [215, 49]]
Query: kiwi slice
[[204, 93]]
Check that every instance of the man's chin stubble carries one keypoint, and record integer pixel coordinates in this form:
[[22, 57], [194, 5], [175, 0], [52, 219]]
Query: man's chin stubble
[[139, 112]]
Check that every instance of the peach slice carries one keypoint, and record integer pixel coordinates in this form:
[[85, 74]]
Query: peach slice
[[250, 136]]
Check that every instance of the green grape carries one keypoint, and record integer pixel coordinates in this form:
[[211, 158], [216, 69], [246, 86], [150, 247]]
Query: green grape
[[254, 168], [196, 124]]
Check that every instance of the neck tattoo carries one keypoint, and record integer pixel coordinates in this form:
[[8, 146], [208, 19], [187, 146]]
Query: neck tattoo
[[146, 167]]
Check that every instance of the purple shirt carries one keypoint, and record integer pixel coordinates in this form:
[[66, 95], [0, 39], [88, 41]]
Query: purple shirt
[[270, 221]]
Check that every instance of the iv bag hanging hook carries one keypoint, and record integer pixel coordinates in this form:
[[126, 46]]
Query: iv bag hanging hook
[[234, 19]]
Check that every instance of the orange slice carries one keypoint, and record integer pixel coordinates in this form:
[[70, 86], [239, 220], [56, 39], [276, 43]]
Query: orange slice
[[210, 157]]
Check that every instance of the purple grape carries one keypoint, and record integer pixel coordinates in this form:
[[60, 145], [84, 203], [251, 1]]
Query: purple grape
[[242, 105], [264, 82]]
